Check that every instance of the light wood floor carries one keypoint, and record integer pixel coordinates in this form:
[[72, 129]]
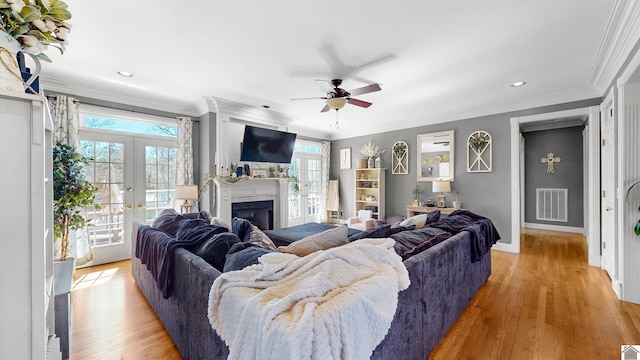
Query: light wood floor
[[545, 303]]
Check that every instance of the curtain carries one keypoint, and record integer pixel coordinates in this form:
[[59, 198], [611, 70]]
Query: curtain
[[184, 160], [65, 112], [325, 152]]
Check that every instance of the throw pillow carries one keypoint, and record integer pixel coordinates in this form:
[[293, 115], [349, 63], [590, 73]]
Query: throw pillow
[[242, 255], [214, 251], [257, 237], [321, 241], [169, 221], [381, 231], [240, 227], [418, 220], [433, 217], [220, 222]]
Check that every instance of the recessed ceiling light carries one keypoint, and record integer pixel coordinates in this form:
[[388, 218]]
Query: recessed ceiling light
[[518, 84], [125, 73]]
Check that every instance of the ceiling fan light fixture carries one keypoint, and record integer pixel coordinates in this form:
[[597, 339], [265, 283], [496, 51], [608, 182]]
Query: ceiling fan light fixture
[[518, 83], [336, 103]]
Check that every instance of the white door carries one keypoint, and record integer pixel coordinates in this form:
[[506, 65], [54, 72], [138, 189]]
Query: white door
[[111, 171], [608, 196], [304, 195], [135, 177]]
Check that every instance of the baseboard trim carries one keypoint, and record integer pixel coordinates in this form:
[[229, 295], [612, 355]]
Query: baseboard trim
[[503, 247], [561, 228]]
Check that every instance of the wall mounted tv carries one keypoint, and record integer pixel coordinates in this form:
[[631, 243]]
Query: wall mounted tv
[[266, 145]]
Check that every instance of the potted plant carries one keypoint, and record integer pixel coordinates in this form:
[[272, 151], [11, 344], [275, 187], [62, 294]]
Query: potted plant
[[71, 194], [416, 192]]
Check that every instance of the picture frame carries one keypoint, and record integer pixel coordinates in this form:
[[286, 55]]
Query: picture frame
[[345, 158], [260, 173]]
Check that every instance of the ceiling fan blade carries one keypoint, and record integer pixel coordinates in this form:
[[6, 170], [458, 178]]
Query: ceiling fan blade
[[326, 86], [310, 98], [364, 104], [365, 89], [325, 108]]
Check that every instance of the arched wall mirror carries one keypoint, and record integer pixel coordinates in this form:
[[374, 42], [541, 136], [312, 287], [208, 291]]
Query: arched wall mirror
[[436, 156]]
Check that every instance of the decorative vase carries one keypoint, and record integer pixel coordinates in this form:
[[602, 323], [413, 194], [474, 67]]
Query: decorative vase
[[370, 163], [378, 162], [10, 78], [457, 204]]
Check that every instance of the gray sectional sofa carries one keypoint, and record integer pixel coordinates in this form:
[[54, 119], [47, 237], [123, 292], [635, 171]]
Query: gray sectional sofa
[[443, 281]]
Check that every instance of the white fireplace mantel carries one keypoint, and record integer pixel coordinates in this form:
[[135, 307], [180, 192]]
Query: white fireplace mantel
[[254, 190]]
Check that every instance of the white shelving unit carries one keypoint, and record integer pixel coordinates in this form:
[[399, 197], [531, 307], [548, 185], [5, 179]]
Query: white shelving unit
[[26, 260], [369, 190]]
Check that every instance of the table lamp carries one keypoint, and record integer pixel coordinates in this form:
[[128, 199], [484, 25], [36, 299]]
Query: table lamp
[[442, 187], [186, 193]]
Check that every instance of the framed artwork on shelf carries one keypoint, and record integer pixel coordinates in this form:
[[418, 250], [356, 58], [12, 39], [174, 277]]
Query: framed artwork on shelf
[[345, 158], [260, 173]]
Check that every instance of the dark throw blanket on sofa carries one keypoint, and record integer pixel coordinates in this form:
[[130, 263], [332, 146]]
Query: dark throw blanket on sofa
[[483, 233], [158, 256]]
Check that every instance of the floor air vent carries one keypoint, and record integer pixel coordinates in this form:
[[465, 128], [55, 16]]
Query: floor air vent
[[551, 204]]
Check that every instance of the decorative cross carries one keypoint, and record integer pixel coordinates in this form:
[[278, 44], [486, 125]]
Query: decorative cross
[[550, 159]]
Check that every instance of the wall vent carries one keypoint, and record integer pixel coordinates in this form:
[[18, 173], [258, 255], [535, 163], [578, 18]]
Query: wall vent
[[551, 204]]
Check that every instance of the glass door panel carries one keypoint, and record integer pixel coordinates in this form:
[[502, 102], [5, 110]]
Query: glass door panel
[[107, 170], [304, 194], [157, 178]]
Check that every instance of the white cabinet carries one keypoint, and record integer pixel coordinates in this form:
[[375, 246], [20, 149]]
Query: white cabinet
[[369, 190], [26, 227]]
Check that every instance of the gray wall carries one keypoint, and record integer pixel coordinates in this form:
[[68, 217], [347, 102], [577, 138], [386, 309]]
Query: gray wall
[[567, 143], [487, 194]]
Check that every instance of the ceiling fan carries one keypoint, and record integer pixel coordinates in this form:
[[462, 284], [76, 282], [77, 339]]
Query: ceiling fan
[[337, 98]]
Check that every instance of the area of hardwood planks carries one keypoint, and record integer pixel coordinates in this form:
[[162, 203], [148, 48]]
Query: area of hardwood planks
[[544, 303]]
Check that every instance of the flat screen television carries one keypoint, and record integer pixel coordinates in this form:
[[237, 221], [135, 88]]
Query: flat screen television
[[266, 145]]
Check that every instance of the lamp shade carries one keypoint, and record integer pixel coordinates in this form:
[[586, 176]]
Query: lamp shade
[[186, 192], [441, 186]]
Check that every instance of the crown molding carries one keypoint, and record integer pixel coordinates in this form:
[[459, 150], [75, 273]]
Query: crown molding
[[240, 111], [620, 36], [118, 94], [555, 98]]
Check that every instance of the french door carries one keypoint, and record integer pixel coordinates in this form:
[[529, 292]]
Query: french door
[[135, 177], [304, 194]]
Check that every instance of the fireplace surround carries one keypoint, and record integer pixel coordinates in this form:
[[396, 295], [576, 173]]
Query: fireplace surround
[[259, 191]]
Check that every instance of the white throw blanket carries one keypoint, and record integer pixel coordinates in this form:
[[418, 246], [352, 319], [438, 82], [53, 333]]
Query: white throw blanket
[[331, 304]]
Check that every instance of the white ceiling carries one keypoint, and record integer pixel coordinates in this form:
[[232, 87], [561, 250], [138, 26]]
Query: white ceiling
[[435, 60]]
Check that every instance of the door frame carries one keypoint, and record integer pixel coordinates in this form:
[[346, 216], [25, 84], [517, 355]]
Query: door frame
[[303, 183], [606, 104], [592, 232]]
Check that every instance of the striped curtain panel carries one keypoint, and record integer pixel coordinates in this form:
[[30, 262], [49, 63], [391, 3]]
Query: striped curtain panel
[[325, 151], [184, 160], [65, 112]]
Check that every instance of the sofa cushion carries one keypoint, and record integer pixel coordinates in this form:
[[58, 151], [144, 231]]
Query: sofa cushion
[[220, 222], [257, 237], [421, 220], [321, 241], [240, 227], [193, 233], [214, 250], [381, 231], [243, 254]]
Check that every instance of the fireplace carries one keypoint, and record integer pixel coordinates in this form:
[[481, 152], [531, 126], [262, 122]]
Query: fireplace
[[259, 213], [232, 198]]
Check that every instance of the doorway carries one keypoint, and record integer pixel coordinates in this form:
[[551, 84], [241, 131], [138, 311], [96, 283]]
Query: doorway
[[304, 193], [592, 154]]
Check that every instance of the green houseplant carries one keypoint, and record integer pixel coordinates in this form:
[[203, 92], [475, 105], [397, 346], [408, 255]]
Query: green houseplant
[[71, 193], [416, 192]]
